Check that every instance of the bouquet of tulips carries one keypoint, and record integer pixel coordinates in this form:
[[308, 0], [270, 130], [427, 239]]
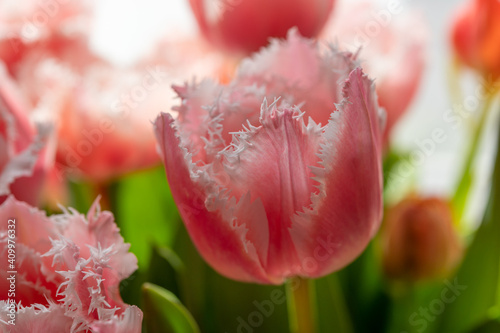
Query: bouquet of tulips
[[247, 172]]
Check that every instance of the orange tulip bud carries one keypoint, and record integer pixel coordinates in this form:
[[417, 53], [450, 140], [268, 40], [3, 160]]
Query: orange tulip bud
[[418, 240]]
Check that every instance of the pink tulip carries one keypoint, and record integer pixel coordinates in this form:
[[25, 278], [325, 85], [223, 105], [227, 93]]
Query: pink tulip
[[34, 26], [246, 25], [23, 162], [391, 44], [69, 268], [265, 190], [103, 112]]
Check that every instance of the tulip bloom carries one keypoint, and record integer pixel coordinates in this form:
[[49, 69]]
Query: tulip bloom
[[69, 268], [475, 36], [418, 240], [102, 112], [246, 25], [270, 190], [23, 162], [33, 26], [391, 45]]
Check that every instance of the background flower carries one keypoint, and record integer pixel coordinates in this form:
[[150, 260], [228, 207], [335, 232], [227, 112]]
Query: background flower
[[419, 241], [69, 267], [246, 25], [475, 35], [23, 159], [392, 49]]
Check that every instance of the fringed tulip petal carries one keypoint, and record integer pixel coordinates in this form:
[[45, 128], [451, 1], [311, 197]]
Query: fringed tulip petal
[[219, 236], [256, 184], [335, 230], [69, 268]]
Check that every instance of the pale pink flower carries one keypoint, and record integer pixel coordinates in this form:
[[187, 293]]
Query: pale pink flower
[[23, 162], [103, 112], [69, 268], [392, 43], [34, 26], [272, 190], [246, 25]]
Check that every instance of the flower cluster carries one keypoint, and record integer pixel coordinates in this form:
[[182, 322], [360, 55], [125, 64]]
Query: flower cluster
[[70, 268]]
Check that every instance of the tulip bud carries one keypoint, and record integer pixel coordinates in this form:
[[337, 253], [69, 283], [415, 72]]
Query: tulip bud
[[418, 240], [246, 25], [475, 35]]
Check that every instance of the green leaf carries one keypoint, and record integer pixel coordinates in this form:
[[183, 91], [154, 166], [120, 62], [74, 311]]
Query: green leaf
[[164, 313], [362, 283], [480, 269], [491, 326], [399, 175], [82, 195], [193, 286], [459, 201], [146, 213], [166, 270]]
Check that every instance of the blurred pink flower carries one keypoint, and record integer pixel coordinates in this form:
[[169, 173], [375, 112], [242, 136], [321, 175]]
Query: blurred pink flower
[[34, 26], [105, 119], [246, 25], [69, 268], [23, 161], [476, 35], [102, 112], [391, 44], [266, 194]]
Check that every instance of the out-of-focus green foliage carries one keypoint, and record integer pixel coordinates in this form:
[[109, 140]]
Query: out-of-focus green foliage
[[480, 269], [164, 313], [145, 212]]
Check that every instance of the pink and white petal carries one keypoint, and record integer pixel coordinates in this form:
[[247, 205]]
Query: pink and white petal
[[98, 230], [107, 235], [314, 81], [295, 60], [98, 248], [271, 162], [37, 280], [23, 175], [220, 239], [129, 322], [196, 116], [399, 86], [395, 58], [35, 319], [348, 210], [33, 228], [15, 126]]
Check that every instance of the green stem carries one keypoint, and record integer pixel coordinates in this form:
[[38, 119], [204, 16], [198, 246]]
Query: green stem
[[454, 82], [403, 305], [339, 305], [462, 191], [301, 309]]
